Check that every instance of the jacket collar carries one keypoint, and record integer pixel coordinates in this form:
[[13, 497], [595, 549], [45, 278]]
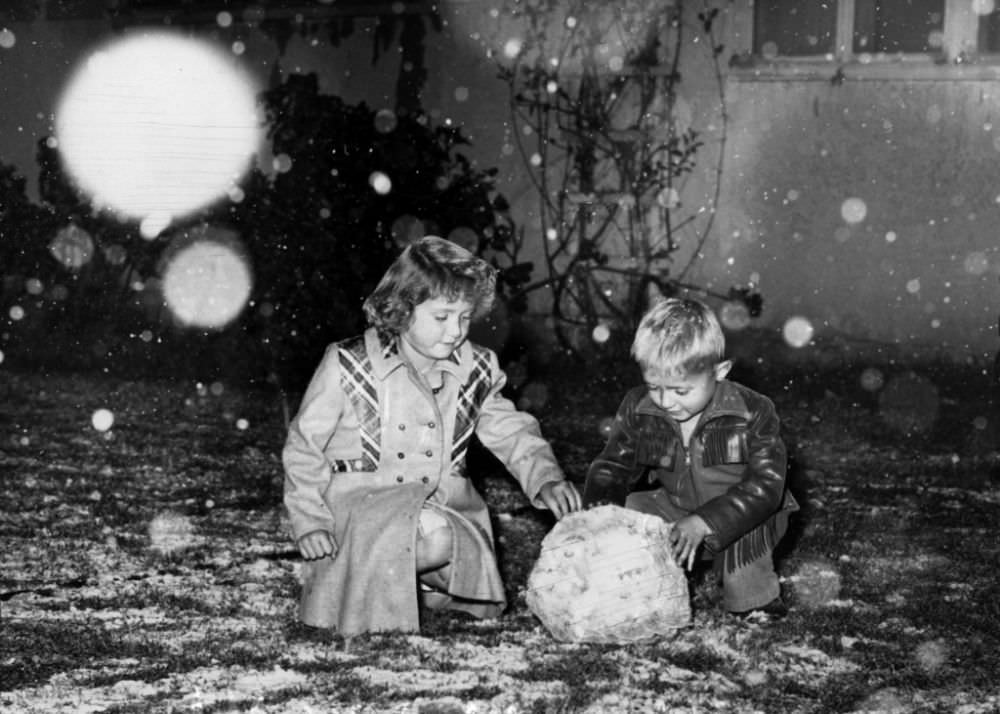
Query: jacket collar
[[386, 358], [728, 400]]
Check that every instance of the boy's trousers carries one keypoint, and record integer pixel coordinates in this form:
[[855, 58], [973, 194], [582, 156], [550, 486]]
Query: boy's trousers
[[748, 587]]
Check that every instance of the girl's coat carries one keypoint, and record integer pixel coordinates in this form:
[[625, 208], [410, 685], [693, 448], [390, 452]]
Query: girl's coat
[[369, 447]]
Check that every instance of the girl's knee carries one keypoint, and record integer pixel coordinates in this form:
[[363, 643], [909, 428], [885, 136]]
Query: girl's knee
[[434, 541]]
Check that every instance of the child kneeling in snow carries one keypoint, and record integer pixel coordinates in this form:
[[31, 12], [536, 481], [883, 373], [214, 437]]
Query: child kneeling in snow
[[710, 447], [376, 488]]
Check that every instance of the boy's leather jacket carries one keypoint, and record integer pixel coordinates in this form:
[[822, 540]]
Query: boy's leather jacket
[[732, 474]]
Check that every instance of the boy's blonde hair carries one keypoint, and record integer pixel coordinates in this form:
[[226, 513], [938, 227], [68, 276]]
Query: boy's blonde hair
[[429, 268], [679, 336]]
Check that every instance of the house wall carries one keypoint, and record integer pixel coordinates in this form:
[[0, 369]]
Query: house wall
[[919, 271]]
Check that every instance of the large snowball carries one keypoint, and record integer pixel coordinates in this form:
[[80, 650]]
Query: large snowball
[[607, 575]]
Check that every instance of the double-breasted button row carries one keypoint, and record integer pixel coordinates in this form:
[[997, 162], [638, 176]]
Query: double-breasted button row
[[423, 479]]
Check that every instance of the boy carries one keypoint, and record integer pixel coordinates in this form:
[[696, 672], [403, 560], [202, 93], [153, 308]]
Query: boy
[[711, 446]]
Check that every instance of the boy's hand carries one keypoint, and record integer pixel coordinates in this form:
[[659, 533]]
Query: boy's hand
[[686, 537], [560, 497], [317, 544]]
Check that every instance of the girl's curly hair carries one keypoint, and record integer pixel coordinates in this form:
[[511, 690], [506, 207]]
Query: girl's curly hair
[[429, 268]]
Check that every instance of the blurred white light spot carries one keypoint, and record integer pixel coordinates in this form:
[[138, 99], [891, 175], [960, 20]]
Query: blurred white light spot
[[72, 247], [1, 356], [381, 183], [913, 286], [102, 419], [385, 121], [616, 64], [170, 532], [983, 7], [242, 424], [236, 194], [512, 48], [601, 333], [668, 198], [734, 315], [976, 263], [933, 114], [571, 22], [154, 224], [33, 286], [16, 313], [157, 123], [224, 19], [605, 425], [872, 379], [551, 86], [239, 47], [461, 94], [551, 233], [465, 237], [282, 163], [853, 210], [890, 237], [146, 335], [7, 39], [979, 423], [816, 583], [407, 229], [769, 50], [536, 159], [798, 331], [932, 655], [115, 254], [792, 195], [207, 282], [935, 38]]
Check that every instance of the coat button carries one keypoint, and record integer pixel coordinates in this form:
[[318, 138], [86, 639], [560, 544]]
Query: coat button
[[402, 427], [425, 479], [399, 479], [429, 453], [401, 455], [430, 425]]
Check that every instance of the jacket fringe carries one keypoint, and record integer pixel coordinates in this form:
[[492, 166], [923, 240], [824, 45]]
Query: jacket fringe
[[761, 540]]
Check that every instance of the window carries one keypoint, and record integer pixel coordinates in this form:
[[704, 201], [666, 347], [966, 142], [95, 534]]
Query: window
[[873, 30]]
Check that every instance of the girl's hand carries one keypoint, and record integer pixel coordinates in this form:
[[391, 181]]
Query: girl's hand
[[560, 497], [318, 544], [686, 537]]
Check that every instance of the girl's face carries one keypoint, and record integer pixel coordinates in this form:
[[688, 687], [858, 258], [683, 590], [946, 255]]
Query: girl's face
[[437, 327]]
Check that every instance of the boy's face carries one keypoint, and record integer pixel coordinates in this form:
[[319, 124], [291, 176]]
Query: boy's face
[[684, 395], [437, 327]]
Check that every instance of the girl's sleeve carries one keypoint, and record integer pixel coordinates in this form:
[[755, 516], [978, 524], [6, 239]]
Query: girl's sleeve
[[307, 471], [612, 473], [515, 438]]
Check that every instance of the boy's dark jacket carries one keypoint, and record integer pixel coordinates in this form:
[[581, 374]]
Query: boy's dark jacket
[[732, 474]]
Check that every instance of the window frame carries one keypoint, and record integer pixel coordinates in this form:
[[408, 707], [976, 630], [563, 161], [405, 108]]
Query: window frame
[[958, 57]]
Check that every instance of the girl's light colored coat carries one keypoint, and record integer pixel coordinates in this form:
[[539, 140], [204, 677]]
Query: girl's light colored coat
[[371, 583]]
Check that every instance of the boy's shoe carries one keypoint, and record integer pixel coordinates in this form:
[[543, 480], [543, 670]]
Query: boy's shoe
[[774, 610]]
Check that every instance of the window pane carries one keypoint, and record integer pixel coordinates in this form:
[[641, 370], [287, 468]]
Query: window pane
[[898, 25], [794, 27], [989, 33]]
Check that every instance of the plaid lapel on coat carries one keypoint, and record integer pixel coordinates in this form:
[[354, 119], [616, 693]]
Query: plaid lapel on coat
[[359, 385], [470, 399]]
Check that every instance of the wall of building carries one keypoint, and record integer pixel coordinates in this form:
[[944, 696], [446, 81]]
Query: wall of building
[[867, 206]]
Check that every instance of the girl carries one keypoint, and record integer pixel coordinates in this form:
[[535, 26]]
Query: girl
[[375, 483]]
